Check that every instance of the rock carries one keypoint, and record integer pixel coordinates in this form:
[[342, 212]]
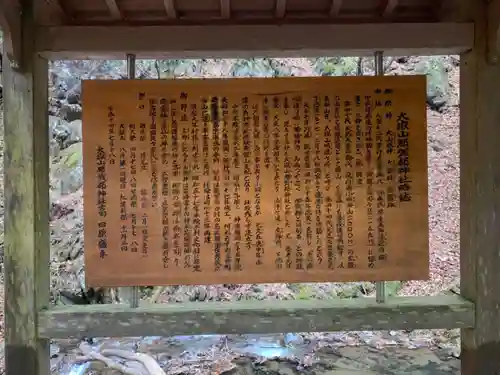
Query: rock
[[455, 60], [67, 173], [75, 130], [60, 95], [73, 98], [54, 148], [58, 211], [71, 112], [65, 133], [437, 82]]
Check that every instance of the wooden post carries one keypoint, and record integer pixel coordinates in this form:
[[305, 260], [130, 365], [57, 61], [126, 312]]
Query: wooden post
[[26, 168], [480, 198]]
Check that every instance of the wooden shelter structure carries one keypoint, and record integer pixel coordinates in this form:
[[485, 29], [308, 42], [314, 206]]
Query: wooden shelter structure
[[39, 30]]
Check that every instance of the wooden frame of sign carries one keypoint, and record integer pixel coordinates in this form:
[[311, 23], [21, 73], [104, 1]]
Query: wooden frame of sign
[[467, 27]]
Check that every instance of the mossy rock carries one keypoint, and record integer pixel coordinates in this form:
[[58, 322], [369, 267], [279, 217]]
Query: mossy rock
[[72, 156], [67, 172]]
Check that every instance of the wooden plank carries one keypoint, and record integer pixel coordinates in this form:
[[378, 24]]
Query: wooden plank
[[250, 40], [257, 317], [249, 186], [480, 201], [26, 168]]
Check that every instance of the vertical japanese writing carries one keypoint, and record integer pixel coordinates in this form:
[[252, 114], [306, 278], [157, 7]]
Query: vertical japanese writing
[[404, 159], [176, 169], [390, 141], [369, 180], [247, 171], [123, 201], [308, 145], [276, 144], [132, 133], [102, 197], [284, 223], [111, 135], [259, 226], [145, 168], [226, 164], [153, 108], [123, 183], [287, 175], [317, 182], [207, 187], [216, 178], [186, 179], [359, 142], [266, 133], [349, 181], [165, 184], [390, 145], [196, 188], [236, 198], [176, 216], [380, 178], [339, 198], [299, 162], [145, 235], [220, 183], [176, 185], [144, 164]]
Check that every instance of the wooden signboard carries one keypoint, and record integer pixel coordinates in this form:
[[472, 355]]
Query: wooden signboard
[[255, 180]]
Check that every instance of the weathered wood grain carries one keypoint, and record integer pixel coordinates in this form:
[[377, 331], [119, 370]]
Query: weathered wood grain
[[395, 39], [26, 168], [480, 196], [257, 317]]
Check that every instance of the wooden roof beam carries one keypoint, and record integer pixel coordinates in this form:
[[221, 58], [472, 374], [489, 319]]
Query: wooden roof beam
[[245, 41], [280, 9], [114, 9], [225, 8], [61, 8], [388, 7], [170, 8], [335, 8], [10, 23]]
